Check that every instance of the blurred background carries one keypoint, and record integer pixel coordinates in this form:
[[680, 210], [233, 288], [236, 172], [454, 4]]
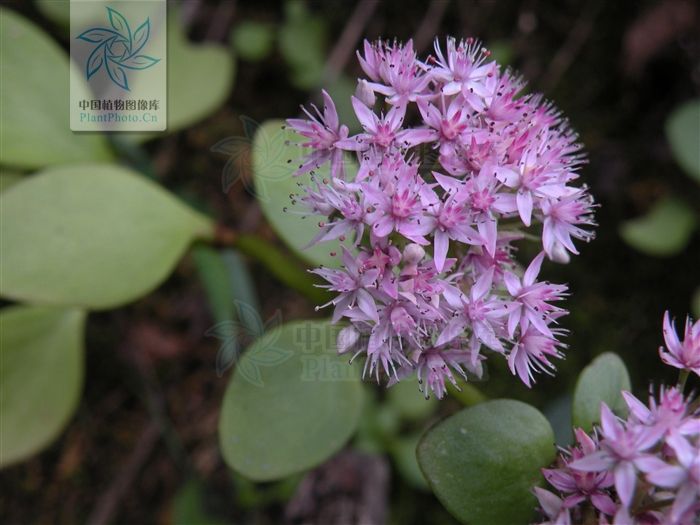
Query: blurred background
[[142, 445]]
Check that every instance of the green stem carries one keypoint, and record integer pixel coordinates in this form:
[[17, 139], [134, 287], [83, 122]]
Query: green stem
[[589, 516], [682, 379], [467, 394], [216, 282], [282, 266]]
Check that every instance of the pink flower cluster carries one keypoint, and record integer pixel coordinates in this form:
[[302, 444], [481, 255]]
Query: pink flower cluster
[[642, 470], [685, 354], [429, 281]]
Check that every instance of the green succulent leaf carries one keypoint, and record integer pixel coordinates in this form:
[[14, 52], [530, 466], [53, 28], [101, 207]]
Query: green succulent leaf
[[200, 78], [601, 381], [341, 91], [216, 282], [190, 99], [303, 41], [403, 452], [292, 402], [407, 399], [273, 149], [58, 11], [41, 376], [292, 273], [94, 236], [482, 462], [188, 505], [664, 231], [9, 178], [683, 134], [242, 286], [252, 40], [34, 129]]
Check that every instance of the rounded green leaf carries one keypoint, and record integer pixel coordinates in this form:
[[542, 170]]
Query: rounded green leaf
[[292, 274], [59, 12], [379, 424], [200, 78], [188, 505], [341, 91], [664, 231], [96, 236], [302, 42], [216, 282], [407, 399], [35, 129], [252, 40], [602, 380], [273, 149], [403, 452], [482, 462], [696, 303], [683, 133], [9, 178], [41, 376], [292, 402]]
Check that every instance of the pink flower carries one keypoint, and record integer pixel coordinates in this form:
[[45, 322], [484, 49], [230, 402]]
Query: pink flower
[[644, 470], [661, 418], [341, 200], [447, 125], [456, 166], [686, 354], [621, 447], [323, 131], [380, 131], [449, 219], [464, 70], [434, 368], [479, 311], [396, 72], [553, 507], [531, 300], [397, 205], [582, 486], [531, 354], [352, 283], [562, 219], [684, 476]]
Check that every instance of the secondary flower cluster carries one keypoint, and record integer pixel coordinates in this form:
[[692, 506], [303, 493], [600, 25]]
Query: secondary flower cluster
[[685, 354], [643, 470], [428, 279]]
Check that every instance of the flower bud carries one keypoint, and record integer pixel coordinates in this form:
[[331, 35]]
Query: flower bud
[[347, 338], [413, 253], [559, 254], [364, 93]]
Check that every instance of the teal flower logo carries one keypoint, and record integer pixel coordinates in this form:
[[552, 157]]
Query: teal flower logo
[[118, 49]]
